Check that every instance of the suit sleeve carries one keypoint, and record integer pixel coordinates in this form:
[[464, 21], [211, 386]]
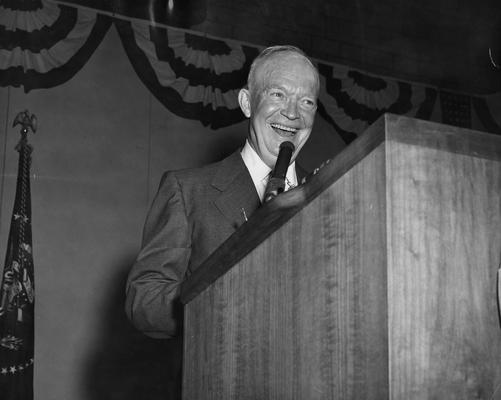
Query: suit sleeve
[[153, 285]]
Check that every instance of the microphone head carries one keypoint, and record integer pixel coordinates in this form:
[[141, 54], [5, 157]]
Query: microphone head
[[288, 145]]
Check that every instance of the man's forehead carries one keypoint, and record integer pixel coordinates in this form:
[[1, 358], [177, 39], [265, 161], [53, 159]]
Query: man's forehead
[[286, 59], [285, 62], [287, 73]]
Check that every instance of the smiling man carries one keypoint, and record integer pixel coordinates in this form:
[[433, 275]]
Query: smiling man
[[196, 210], [281, 101]]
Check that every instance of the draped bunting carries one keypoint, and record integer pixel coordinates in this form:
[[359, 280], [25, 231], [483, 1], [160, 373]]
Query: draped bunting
[[198, 77], [194, 76], [43, 44], [351, 100]]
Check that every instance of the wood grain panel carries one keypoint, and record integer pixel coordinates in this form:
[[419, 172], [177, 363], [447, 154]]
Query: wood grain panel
[[444, 238], [303, 316]]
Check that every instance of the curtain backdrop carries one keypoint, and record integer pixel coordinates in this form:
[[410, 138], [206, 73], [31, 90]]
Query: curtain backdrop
[[43, 44]]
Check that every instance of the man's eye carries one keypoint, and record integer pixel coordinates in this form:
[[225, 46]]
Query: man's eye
[[309, 103], [278, 95]]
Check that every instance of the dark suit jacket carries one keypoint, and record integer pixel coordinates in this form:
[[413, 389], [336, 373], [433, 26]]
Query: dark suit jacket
[[194, 211]]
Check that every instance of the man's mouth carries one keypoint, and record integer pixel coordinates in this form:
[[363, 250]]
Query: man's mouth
[[283, 130]]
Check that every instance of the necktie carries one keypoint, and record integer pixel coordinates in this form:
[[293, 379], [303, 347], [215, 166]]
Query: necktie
[[288, 184], [264, 182]]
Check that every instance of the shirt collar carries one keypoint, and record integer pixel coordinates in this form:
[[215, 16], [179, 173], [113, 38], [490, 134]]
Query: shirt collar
[[257, 168]]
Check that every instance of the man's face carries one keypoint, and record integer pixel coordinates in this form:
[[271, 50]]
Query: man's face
[[281, 106]]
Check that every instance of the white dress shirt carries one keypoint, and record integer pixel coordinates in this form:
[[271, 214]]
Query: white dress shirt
[[260, 172]]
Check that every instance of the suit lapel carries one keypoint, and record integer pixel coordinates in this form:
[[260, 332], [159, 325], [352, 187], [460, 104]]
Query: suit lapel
[[237, 190], [300, 173]]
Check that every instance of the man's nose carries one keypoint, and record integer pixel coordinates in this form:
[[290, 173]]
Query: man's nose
[[290, 109]]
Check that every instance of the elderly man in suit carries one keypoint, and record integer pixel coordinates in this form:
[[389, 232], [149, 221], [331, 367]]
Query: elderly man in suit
[[196, 210]]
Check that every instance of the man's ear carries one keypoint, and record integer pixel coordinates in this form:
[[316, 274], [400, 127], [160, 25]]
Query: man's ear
[[244, 101]]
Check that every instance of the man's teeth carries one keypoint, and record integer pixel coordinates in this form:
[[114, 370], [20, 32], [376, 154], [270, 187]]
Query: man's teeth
[[284, 128]]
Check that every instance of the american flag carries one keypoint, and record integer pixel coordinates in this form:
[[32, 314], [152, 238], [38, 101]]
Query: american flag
[[17, 290]]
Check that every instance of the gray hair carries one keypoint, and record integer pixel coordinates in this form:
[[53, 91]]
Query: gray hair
[[268, 53]]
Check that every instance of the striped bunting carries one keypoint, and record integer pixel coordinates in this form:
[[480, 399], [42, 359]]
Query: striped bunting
[[352, 100], [43, 44], [194, 76]]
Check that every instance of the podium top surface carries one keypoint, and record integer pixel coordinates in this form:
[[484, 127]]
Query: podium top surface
[[431, 134], [271, 216]]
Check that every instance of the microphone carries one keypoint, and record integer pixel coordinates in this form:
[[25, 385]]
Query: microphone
[[276, 184]]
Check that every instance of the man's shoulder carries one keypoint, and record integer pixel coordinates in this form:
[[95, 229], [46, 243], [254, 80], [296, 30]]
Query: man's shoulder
[[206, 173]]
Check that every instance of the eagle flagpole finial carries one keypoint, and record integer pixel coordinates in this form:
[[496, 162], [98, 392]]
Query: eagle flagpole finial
[[27, 121]]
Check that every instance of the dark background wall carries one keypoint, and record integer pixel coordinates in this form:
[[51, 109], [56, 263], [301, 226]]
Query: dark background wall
[[438, 42], [104, 140]]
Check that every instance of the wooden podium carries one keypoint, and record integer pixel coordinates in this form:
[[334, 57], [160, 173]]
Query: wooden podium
[[376, 279]]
